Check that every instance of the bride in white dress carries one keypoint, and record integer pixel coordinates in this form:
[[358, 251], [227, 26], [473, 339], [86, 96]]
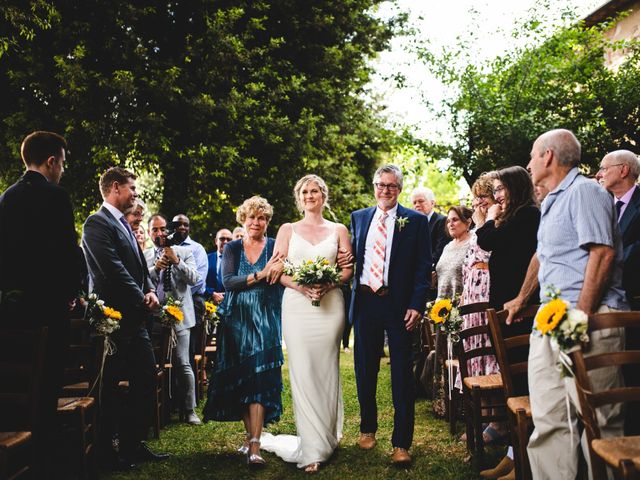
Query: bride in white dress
[[312, 334]]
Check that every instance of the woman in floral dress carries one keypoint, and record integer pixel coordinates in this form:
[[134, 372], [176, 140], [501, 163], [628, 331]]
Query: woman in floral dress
[[475, 280]]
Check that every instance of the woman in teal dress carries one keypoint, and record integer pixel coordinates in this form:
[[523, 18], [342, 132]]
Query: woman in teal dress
[[246, 383]]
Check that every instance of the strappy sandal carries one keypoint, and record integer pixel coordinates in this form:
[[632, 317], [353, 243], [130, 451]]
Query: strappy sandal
[[255, 459], [244, 448]]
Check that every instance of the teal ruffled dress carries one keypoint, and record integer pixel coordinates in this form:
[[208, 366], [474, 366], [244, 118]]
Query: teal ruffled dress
[[249, 355]]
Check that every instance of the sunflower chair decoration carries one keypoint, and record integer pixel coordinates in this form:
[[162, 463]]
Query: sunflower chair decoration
[[566, 326], [210, 317], [104, 320], [444, 314]]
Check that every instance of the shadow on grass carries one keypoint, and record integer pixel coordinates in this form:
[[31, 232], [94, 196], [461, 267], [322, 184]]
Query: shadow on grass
[[209, 451]]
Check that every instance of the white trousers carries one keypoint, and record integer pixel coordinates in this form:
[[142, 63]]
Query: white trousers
[[553, 446]]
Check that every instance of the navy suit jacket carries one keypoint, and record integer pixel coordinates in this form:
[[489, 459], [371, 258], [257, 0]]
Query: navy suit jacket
[[630, 229], [38, 250], [118, 272], [439, 238], [213, 283], [410, 262]]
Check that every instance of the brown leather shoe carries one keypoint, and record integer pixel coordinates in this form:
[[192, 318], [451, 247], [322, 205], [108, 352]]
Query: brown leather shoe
[[503, 468], [367, 441], [400, 456]]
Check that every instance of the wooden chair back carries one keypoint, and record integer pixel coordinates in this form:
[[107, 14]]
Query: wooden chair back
[[590, 400], [80, 365], [21, 370], [465, 355], [512, 349]]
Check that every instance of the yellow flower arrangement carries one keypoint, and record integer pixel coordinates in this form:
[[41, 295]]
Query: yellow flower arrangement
[[111, 313], [440, 310], [105, 320], [175, 312], [210, 307], [550, 315]]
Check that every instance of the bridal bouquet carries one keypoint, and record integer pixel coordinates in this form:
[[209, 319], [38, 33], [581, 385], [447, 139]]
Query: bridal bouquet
[[105, 320], [313, 272], [566, 326], [445, 315], [171, 313]]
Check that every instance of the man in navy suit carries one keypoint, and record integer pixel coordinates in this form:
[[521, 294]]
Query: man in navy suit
[[424, 201], [119, 276], [392, 278], [619, 171], [214, 286]]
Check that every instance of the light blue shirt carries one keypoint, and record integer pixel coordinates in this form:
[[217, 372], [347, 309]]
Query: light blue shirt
[[202, 264], [579, 212]]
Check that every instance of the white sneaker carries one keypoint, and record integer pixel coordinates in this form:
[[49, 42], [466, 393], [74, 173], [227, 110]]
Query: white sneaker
[[192, 418]]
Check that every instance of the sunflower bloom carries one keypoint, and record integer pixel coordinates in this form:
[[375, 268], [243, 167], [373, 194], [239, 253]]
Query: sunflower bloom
[[441, 310], [175, 312], [210, 307], [550, 315], [111, 313]]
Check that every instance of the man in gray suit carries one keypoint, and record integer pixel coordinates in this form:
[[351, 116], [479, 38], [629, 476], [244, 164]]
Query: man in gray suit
[[119, 276], [173, 271]]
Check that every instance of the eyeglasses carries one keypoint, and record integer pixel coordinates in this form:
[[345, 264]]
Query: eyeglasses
[[392, 187], [225, 239], [498, 190], [604, 169]]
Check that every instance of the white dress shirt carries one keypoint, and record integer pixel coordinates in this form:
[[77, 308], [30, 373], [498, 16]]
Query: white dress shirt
[[368, 252]]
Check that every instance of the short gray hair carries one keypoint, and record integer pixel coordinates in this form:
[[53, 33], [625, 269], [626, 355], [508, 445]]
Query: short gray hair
[[137, 204], [564, 145], [629, 158], [389, 168], [425, 192]]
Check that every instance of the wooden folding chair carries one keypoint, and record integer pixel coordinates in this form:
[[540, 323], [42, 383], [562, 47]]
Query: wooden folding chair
[[21, 371], [161, 341], [622, 454], [16, 453], [482, 394], [78, 418], [512, 352]]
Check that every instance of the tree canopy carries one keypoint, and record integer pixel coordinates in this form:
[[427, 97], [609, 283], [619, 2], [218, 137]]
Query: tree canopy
[[556, 80], [211, 100]]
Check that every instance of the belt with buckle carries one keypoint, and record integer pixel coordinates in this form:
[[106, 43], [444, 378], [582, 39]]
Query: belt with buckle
[[480, 266], [381, 292]]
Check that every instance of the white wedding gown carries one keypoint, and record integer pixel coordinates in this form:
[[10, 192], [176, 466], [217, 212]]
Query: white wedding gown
[[312, 336]]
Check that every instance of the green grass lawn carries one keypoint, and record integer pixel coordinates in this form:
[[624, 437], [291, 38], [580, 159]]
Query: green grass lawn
[[209, 451]]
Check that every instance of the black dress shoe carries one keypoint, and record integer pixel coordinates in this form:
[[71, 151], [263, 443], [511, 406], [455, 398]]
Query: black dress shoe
[[144, 454]]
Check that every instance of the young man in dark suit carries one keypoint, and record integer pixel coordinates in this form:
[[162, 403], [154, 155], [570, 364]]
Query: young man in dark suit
[[119, 276], [392, 248], [40, 268]]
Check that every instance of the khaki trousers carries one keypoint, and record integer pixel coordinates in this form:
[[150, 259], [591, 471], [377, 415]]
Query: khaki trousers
[[550, 447]]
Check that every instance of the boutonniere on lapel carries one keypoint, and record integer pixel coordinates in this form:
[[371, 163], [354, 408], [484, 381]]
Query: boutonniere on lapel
[[401, 222]]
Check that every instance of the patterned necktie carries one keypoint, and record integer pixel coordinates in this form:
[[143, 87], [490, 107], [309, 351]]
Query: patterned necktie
[[160, 285], [619, 205], [376, 271]]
